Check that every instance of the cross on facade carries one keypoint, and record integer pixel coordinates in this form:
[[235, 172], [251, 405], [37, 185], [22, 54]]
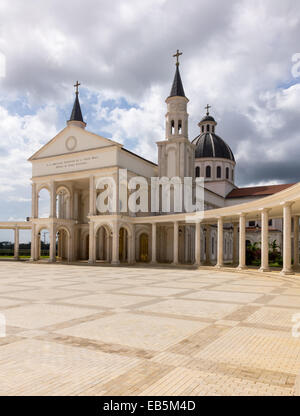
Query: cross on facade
[[207, 109], [76, 86], [176, 55]]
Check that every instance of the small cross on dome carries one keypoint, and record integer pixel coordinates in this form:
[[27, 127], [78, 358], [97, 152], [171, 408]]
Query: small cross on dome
[[207, 109]]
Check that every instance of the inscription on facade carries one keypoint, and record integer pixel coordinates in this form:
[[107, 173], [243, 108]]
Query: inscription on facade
[[72, 163]]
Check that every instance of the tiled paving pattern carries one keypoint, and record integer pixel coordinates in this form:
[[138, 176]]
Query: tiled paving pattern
[[81, 330]]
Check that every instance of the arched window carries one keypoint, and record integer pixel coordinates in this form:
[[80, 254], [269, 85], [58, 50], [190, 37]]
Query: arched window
[[232, 175], [227, 173], [202, 129], [197, 172], [179, 127], [172, 127], [219, 172], [207, 127], [213, 129], [208, 171]]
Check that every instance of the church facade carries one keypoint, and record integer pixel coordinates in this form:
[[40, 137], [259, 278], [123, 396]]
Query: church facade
[[71, 164]]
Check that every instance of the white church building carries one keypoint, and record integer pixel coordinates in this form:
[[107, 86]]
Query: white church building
[[72, 162]]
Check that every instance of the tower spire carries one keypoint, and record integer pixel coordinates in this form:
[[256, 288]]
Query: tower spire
[[76, 115], [177, 87]]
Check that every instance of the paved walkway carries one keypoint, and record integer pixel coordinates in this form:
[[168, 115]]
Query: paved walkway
[[81, 330]]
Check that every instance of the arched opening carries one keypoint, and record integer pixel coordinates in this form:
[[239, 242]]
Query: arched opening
[[207, 127], [208, 171], [213, 129], [43, 244], [179, 127], [165, 241], [123, 245], [103, 244], [219, 172], [63, 203], [144, 247], [43, 203], [197, 174], [202, 129], [227, 173], [172, 127], [63, 244]]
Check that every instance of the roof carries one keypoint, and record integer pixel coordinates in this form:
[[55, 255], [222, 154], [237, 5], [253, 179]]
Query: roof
[[177, 87], [211, 145], [76, 114], [258, 190]]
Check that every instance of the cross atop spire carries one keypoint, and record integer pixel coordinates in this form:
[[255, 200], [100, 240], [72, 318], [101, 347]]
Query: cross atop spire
[[207, 109], [76, 87], [176, 55]]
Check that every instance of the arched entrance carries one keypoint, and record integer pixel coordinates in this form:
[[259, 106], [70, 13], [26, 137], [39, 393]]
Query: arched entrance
[[43, 244], [63, 244], [103, 244], [144, 248]]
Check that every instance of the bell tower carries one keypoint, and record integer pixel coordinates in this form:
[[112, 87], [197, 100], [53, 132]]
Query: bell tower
[[176, 154]]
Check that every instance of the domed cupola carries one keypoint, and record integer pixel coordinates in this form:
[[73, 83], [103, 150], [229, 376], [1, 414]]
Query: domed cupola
[[214, 159], [208, 144]]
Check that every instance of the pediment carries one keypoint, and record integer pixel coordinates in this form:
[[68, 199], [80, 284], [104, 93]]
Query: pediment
[[72, 139]]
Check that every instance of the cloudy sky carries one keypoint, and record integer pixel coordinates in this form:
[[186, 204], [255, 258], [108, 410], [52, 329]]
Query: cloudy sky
[[237, 56]]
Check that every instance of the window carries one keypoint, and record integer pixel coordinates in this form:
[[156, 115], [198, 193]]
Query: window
[[207, 127], [197, 172], [172, 127], [251, 223], [212, 245], [202, 129], [213, 129], [270, 223], [179, 127], [219, 172], [227, 173], [208, 172], [232, 175]]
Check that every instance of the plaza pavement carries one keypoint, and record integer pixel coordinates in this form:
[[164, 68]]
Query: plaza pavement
[[82, 330]]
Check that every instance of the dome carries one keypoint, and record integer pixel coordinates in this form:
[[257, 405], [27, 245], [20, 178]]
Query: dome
[[210, 145], [207, 118]]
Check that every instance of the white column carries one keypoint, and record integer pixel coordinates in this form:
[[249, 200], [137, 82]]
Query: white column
[[296, 241], [16, 244], [32, 247], [264, 240], [235, 243], [52, 251], [242, 243], [175, 244], [52, 200], [115, 245], [153, 243], [287, 257], [131, 248], [92, 203], [198, 244], [220, 260], [34, 201], [92, 248]]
